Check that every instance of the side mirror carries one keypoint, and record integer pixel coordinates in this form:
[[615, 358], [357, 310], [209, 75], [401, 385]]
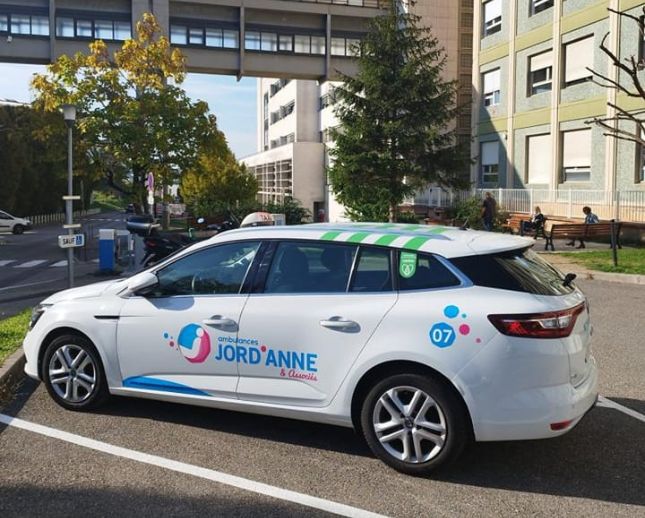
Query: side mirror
[[141, 282]]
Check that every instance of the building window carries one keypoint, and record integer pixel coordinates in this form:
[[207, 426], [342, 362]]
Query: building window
[[539, 152], [491, 82], [467, 41], [87, 27], [492, 17], [208, 36], [252, 40], [540, 72], [285, 43], [328, 99], [282, 112], [576, 155], [25, 24], [578, 60], [537, 6], [489, 162]]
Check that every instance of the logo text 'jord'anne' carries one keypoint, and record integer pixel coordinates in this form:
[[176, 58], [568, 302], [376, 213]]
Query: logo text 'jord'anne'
[[267, 357]]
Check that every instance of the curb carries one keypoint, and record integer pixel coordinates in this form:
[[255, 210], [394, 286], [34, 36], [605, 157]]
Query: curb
[[624, 278], [11, 371]]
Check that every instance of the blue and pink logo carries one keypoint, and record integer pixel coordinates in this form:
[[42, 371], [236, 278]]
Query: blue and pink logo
[[442, 334], [194, 343]]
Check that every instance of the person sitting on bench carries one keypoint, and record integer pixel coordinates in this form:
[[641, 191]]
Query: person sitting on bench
[[590, 219], [536, 223]]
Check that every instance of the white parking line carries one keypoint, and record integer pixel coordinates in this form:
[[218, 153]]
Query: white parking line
[[190, 469], [58, 264], [31, 264], [608, 403], [7, 261]]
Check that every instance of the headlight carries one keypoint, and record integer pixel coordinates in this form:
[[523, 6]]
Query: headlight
[[36, 313]]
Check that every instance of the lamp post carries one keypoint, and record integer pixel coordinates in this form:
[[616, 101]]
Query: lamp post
[[69, 114]]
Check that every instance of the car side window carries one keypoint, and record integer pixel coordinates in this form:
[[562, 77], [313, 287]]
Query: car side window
[[423, 272], [213, 271], [372, 272], [4, 215], [310, 267]]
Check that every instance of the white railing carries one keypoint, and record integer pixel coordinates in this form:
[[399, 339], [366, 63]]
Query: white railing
[[564, 203], [59, 217]]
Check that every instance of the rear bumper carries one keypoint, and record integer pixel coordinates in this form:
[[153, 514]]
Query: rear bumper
[[529, 414]]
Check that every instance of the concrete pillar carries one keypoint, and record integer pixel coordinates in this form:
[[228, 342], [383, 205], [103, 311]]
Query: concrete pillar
[[510, 105], [160, 8]]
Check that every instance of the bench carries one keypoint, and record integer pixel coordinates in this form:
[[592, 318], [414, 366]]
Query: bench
[[515, 224], [582, 231]]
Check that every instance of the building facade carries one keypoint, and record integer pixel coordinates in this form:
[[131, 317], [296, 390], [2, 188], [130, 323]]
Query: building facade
[[295, 118], [534, 95]]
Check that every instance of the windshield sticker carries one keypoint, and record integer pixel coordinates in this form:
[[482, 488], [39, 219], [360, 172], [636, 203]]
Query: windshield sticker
[[442, 334], [407, 264]]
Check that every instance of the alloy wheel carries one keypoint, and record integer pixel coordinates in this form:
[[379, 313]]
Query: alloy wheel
[[72, 373]]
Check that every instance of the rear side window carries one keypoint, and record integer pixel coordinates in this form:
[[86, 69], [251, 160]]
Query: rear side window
[[310, 267], [372, 273], [423, 272], [517, 270]]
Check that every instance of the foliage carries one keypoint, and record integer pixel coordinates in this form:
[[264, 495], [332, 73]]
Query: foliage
[[407, 216], [295, 214], [33, 158], [12, 331], [107, 201], [469, 212], [629, 260], [395, 117], [625, 124], [131, 113], [218, 184]]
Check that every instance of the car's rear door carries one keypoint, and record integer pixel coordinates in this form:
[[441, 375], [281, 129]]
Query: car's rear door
[[319, 304]]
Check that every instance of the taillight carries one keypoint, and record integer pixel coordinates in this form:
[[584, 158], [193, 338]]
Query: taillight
[[551, 324]]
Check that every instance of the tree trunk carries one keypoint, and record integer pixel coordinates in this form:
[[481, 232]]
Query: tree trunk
[[165, 214], [393, 212]]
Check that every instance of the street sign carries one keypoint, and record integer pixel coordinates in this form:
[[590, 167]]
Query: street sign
[[72, 241]]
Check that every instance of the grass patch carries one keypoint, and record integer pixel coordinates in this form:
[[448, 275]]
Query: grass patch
[[106, 201], [12, 331], [629, 260]]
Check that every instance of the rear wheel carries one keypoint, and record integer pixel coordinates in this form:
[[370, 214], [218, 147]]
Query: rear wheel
[[414, 423], [18, 229], [73, 373]]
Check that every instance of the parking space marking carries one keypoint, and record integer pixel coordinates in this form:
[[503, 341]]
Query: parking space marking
[[6, 262], [190, 469], [31, 264], [608, 403], [58, 264]]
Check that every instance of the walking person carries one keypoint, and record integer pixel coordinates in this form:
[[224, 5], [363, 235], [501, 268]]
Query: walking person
[[488, 211], [590, 219]]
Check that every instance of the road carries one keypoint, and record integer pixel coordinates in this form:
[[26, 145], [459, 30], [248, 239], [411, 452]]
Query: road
[[598, 469], [32, 266]]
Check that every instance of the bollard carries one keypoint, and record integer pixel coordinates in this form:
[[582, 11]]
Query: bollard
[[106, 249]]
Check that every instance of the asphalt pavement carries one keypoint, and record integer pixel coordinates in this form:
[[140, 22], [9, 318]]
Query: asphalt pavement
[[143, 457], [32, 266]]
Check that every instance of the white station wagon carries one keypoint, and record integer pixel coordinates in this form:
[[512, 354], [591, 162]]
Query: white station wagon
[[422, 338]]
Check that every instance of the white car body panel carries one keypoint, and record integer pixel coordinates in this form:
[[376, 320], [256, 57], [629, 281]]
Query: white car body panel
[[513, 388]]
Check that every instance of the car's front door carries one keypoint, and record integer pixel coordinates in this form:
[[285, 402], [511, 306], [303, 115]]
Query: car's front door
[[6, 221], [169, 339], [320, 304]]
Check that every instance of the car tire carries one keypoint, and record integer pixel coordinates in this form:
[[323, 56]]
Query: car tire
[[414, 423], [18, 229], [73, 373]]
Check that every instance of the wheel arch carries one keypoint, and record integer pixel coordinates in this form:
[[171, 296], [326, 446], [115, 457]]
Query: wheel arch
[[51, 336], [389, 368]]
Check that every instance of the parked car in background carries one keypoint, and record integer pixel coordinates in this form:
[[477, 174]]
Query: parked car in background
[[13, 224], [142, 224], [423, 338]]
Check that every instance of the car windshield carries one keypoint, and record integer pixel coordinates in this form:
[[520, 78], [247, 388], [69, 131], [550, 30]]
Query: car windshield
[[516, 270]]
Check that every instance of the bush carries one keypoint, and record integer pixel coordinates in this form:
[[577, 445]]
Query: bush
[[469, 213]]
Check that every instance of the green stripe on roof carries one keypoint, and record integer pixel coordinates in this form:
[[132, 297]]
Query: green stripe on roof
[[330, 236], [416, 242], [386, 239], [439, 230], [358, 237]]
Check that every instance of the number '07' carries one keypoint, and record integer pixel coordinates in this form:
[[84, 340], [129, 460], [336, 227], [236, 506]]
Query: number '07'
[[442, 336]]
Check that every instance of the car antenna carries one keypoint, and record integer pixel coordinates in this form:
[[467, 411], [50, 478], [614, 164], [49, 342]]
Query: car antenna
[[568, 279]]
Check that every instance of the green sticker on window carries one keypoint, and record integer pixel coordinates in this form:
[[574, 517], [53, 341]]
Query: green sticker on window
[[407, 264]]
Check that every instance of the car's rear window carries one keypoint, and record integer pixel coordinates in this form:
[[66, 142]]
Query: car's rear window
[[516, 270]]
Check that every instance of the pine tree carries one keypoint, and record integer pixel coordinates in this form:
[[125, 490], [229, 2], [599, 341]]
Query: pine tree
[[397, 114]]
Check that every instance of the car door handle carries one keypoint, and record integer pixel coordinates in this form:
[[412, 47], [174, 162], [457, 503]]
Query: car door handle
[[220, 321], [341, 324]]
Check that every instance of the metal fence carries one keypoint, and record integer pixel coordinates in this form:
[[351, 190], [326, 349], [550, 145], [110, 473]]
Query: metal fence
[[565, 203], [59, 217]]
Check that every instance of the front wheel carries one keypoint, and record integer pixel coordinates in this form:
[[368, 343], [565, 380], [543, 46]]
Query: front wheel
[[18, 229], [414, 423], [73, 373]]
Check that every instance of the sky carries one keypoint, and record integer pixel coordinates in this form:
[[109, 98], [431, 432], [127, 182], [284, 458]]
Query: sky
[[232, 102]]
